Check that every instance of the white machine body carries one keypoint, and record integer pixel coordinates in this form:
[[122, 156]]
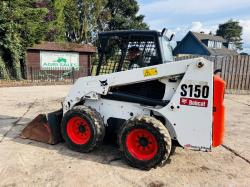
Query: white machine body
[[188, 114]]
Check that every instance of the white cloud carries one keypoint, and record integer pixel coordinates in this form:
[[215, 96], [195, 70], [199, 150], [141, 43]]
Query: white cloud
[[246, 33], [199, 27], [193, 7], [246, 50], [156, 22], [183, 14]]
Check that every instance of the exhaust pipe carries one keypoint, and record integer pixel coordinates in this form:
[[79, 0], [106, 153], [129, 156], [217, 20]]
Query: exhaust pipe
[[45, 128]]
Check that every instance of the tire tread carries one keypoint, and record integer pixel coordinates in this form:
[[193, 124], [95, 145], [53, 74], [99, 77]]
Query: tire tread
[[159, 127], [98, 122]]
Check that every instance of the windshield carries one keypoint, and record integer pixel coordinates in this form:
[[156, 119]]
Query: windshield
[[167, 55]]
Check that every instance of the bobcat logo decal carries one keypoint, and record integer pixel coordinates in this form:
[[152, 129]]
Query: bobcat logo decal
[[104, 83]]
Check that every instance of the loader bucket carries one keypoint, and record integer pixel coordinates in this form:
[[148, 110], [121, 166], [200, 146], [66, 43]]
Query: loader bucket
[[46, 129]]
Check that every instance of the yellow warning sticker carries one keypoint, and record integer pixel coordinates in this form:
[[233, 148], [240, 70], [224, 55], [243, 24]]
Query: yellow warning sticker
[[150, 72]]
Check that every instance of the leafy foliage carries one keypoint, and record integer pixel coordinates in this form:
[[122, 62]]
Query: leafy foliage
[[24, 23], [232, 31], [3, 70], [124, 15], [21, 25], [82, 18], [57, 29]]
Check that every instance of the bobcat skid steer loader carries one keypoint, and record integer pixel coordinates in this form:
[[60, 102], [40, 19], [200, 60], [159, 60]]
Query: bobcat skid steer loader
[[150, 101]]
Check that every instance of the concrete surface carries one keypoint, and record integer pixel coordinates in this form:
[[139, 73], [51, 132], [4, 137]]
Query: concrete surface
[[29, 163]]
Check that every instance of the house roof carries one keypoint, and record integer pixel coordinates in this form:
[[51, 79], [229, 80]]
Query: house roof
[[129, 32], [67, 47], [202, 36], [213, 51]]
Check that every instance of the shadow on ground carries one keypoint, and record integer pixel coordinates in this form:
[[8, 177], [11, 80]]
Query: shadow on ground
[[108, 153]]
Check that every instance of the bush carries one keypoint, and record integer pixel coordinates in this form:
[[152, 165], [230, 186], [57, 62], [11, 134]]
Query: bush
[[3, 70]]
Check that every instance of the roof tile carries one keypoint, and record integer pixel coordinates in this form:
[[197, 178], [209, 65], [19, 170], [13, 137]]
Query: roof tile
[[202, 36], [214, 51], [69, 47]]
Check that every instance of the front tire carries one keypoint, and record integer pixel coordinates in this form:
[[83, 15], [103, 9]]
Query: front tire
[[82, 129], [145, 142]]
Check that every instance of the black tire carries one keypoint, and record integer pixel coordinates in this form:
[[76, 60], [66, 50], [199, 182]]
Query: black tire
[[95, 124], [158, 131]]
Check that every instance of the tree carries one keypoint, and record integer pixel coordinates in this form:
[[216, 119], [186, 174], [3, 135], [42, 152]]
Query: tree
[[232, 31], [9, 42], [82, 18], [21, 25], [57, 28], [24, 23], [124, 15]]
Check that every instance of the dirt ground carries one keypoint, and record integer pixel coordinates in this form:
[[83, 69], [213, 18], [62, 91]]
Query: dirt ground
[[26, 162]]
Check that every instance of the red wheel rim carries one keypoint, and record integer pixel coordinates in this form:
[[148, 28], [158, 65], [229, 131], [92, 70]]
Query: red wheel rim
[[141, 144], [78, 130]]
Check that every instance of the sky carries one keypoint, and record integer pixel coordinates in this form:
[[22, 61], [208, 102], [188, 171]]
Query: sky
[[180, 16]]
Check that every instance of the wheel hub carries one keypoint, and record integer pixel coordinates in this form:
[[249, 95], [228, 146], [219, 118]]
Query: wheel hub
[[78, 130], [143, 141], [81, 128], [141, 144]]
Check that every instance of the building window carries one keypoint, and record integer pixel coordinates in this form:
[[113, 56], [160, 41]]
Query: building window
[[218, 45], [214, 44], [210, 44], [231, 46]]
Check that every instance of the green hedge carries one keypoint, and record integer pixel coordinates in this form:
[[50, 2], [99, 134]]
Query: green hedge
[[3, 71]]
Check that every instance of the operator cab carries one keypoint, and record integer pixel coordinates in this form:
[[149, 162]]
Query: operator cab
[[125, 50]]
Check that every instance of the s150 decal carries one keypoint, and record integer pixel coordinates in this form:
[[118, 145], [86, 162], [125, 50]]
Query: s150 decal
[[196, 91], [194, 95]]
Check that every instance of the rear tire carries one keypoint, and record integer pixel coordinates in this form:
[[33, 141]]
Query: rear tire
[[82, 129], [145, 142]]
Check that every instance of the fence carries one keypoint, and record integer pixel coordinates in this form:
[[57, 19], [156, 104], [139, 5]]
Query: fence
[[235, 70], [35, 74]]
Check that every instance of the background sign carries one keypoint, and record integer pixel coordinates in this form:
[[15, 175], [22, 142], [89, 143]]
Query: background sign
[[58, 60]]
